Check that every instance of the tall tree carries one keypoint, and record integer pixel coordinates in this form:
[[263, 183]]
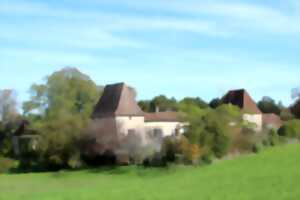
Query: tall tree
[[214, 103], [65, 91], [8, 120], [295, 108], [8, 105], [163, 103], [195, 101], [65, 103], [268, 105]]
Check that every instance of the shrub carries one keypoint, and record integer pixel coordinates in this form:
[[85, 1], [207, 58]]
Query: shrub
[[6, 164], [273, 137], [169, 149], [180, 150], [290, 129], [192, 153], [206, 159], [256, 148]]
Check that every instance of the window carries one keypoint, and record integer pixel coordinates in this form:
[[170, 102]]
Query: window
[[131, 132], [158, 133]]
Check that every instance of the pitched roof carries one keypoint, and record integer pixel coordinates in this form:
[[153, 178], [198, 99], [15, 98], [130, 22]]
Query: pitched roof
[[242, 99], [162, 117], [117, 100]]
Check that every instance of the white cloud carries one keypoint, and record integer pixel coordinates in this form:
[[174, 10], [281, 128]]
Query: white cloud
[[206, 17], [65, 35], [228, 15]]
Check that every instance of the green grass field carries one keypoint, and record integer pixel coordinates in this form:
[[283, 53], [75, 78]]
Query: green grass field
[[273, 174]]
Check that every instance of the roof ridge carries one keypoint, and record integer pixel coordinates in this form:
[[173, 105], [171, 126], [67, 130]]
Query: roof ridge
[[120, 96]]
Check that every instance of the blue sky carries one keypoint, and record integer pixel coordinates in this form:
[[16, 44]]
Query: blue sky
[[173, 47]]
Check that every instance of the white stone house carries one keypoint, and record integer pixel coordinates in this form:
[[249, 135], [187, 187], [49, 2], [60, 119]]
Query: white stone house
[[118, 111]]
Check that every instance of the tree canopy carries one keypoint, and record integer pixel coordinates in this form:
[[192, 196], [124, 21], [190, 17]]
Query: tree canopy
[[65, 91], [268, 105], [64, 104], [8, 105], [295, 108]]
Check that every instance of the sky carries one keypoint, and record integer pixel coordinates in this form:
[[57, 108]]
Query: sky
[[173, 47]]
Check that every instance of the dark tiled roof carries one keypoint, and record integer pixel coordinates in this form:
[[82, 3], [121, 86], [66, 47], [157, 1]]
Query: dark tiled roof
[[162, 117], [242, 99], [117, 100]]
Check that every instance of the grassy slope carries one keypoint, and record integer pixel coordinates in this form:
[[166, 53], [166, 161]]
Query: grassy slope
[[273, 174]]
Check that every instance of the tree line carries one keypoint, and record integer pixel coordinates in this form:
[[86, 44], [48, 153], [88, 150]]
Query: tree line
[[59, 110]]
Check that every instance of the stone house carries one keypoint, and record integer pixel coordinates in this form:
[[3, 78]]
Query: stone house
[[118, 116], [251, 112]]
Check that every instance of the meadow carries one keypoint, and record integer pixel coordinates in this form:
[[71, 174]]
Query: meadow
[[272, 174]]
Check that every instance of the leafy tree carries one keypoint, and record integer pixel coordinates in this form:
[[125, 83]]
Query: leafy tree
[[214, 103], [290, 129], [268, 105], [8, 105], [67, 90], [163, 103], [195, 101], [8, 120], [295, 108], [145, 105], [194, 116], [211, 128], [64, 105]]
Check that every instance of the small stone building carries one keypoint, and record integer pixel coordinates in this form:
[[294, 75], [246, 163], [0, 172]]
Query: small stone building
[[118, 116], [251, 112]]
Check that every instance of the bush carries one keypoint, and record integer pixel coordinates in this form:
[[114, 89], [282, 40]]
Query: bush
[[256, 148], [273, 137], [179, 150], [206, 159], [290, 129], [212, 128], [6, 164]]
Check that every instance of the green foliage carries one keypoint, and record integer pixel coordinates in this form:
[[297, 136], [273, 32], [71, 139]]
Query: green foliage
[[164, 103], [8, 106], [295, 109], [6, 164], [64, 105], [60, 140], [215, 136], [268, 105], [256, 148], [6, 132], [161, 102], [194, 116], [67, 90], [145, 105], [273, 137], [194, 101], [274, 171], [211, 128], [180, 150], [214, 103], [290, 129]]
